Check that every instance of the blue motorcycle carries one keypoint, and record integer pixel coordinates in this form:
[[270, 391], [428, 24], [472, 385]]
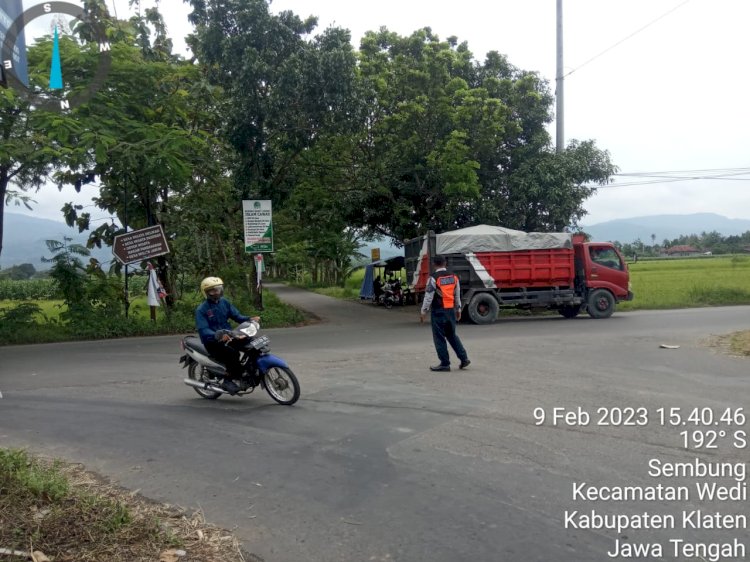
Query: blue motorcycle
[[260, 367]]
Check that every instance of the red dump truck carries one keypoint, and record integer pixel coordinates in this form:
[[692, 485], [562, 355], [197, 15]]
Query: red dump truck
[[503, 268]]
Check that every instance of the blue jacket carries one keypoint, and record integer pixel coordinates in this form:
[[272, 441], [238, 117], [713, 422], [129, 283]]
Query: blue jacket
[[211, 316]]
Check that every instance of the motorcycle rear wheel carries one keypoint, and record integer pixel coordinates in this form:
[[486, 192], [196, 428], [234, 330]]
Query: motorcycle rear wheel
[[200, 373], [281, 385]]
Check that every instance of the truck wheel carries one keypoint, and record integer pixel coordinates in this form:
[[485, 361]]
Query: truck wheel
[[570, 311], [601, 304], [483, 308]]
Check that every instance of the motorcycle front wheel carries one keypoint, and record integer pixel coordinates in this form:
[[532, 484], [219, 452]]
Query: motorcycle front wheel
[[199, 373], [281, 385]]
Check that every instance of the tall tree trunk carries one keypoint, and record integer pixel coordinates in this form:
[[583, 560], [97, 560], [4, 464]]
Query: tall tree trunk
[[165, 274]]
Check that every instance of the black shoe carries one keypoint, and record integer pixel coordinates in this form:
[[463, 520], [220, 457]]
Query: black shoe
[[230, 386], [440, 368], [464, 364]]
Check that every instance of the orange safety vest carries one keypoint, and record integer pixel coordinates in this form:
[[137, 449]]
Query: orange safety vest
[[445, 284]]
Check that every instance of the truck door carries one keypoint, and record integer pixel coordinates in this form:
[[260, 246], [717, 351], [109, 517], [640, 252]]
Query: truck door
[[607, 270]]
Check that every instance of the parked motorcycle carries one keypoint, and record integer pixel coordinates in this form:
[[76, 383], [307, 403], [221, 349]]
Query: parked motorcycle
[[392, 293], [261, 367]]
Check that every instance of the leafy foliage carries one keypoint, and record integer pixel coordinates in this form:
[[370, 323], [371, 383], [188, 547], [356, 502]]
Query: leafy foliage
[[453, 143], [69, 273]]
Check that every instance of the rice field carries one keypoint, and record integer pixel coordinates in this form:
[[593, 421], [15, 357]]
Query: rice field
[[686, 283]]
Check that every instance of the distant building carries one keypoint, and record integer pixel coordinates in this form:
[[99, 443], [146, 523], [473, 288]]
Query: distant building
[[681, 251]]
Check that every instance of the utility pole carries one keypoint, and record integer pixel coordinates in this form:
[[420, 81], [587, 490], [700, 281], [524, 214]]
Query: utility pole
[[559, 89]]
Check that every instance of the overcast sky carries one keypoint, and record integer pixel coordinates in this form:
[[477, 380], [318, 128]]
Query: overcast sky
[[670, 99]]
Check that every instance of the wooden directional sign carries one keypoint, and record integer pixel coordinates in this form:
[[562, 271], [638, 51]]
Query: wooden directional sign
[[140, 245]]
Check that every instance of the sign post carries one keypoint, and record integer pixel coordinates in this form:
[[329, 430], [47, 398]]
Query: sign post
[[260, 267], [258, 222], [138, 245]]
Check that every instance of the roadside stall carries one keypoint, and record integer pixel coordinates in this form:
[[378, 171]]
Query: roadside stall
[[385, 272]]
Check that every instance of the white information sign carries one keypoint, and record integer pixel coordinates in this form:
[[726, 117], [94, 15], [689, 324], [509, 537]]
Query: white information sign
[[258, 225]]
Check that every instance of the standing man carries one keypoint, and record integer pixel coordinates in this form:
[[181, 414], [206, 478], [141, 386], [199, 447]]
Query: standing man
[[443, 296]]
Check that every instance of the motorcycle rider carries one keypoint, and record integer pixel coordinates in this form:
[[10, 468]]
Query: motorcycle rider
[[212, 322]]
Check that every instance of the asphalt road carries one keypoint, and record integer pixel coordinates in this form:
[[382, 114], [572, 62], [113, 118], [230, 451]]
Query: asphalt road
[[383, 460]]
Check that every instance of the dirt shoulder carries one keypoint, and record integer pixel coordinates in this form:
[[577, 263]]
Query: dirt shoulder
[[736, 343], [58, 512]]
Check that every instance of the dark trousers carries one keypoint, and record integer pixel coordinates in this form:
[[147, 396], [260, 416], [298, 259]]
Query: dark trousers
[[227, 356], [444, 330]]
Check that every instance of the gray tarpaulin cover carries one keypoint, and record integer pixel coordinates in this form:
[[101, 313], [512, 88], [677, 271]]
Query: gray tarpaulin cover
[[487, 238]]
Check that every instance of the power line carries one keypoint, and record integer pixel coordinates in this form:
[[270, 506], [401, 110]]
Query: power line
[[652, 182], [684, 171], [621, 41]]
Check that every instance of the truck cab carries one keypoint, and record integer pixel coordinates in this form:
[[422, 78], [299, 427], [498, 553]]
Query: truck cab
[[602, 276]]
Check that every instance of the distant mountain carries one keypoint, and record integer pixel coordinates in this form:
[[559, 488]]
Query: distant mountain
[[24, 240], [664, 226]]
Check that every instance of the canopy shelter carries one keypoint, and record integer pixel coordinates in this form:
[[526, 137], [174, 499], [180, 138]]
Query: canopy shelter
[[394, 264]]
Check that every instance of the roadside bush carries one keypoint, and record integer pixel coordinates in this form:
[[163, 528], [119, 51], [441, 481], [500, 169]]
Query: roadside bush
[[17, 323], [19, 316]]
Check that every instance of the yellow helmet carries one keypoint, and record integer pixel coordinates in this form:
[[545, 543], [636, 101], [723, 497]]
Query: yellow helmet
[[210, 283]]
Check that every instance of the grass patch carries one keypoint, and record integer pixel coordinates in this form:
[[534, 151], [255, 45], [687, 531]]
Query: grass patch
[[350, 290], [739, 343], [71, 515], [344, 293], [713, 296]]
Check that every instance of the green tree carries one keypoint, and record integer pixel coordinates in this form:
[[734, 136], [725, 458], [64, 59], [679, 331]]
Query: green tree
[[450, 142], [291, 102], [70, 273], [283, 90], [313, 217], [146, 137]]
